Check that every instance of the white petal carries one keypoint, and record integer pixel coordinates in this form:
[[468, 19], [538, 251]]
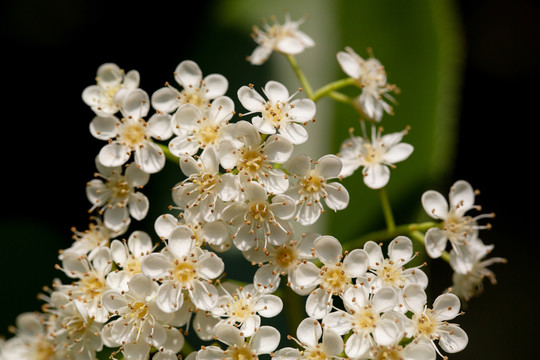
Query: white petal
[[377, 176], [165, 224], [189, 165], [215, 233], [435, 204], [136, 177], [287, 353], [267, 278], [295, 133], [278, 149], [299, 165], [169, 297], [387, 332], [339, 321], [328, 166], [138, 205], [104, 127], [435, 241], [356, 263], [155, 265], [150, 158], [113, 300], [204, 295], [332, 343], [269, 305], [309, 214], [318, 304], [136, 104], [250, 99], [309, 332], [185, 118], [260, 55], [118, 252], [328, 249], [116, 218], [183, 145], [265, 340], [114, 154], [159, 126], [400, 250], [302, 110], [419, 351], [454, 339], [337, 196], [398, 153], [181, 242], [349, 64], [415, 298], [165, 100], [214, 85], [375, 254], [357, 345], [276, 92], [229, 335], [446, 306], [210, 266], [283, 207], [188, 74], [263, 125], [289, 45], [209, 353], [461, 196], [141, 286], [135, 351], [384, 299]]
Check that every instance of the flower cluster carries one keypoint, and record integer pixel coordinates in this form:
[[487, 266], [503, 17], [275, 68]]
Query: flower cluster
[[245, 189]]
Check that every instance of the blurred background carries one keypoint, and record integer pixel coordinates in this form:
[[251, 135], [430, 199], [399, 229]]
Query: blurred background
[[468, 73]]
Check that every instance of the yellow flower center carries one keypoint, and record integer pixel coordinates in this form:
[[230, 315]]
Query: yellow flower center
[[92, 285], [335, 280], [274, 113], [372, 154], [193, 98], [386, 353], [259, 211], [312, 183], [43, 350], [425, 326], [133, 266], [364, 319], [208, 135], [286, 256], [390, 274], [458, 228], [206, 182], [240, 354], [139, 310], [251, 161], [119, 188], [314, 354], [133, 133], [185, 273]]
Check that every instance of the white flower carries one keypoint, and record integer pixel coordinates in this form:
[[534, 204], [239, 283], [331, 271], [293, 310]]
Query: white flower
[[309, 333], [183, 266], [90, 282], [277, 261], [456, 226], [196, 90], [264, 341], [415, 350], [371, 77], [30, 341], [470, 268], [376, 157], [259, 221], [432, 324], [333, 278], [127, 255], [254, 159], [311, 186], [75, 333], [370, 317], [278, 113], [197, 128], [286, 39], [391, 271], [111, 81], [243, 308], [116, 196], [205, 190], [137, 318], [87, 241], [132, 134]]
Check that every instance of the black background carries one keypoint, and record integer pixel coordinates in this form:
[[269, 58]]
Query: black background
[[50, 50]]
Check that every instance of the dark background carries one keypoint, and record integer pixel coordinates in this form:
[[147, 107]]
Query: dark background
[[51, 49]]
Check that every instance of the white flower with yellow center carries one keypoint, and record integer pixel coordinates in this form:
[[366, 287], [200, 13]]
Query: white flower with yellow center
[[196, 90], [95, 236], [470, 267], [416, 350], [114, 193], [260, 221], [75, 333], [285, 39], [432, 324], [376, 156], [277, 261], [197, 128], [315, 343], [311, 186], [136, 319], [254, 159], [205, 190], [111, 84], [181, 267], [278, 113], [89, 280], [370, 317], [132, 134], [243, 308], [456, 227], [30, 341], [390, 271], [127, 255], [264, 341], [370, 76], [333, 278]]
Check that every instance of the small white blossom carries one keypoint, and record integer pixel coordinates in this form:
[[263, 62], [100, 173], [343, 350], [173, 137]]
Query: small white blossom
[[87, 241], [311, 186], [286, 39], [375, 156], [114, 193], [470, 268], [197, 128], [315, 343], [277, 261], [30, 341], [432, 324], [264, 341], [132, 134], [278, 113], [456, 226], [111, 83], [243, 308], [333, 278], [180, 267], [259, 221], [370, 76], [254, 158], [196, 90], [371, 318]]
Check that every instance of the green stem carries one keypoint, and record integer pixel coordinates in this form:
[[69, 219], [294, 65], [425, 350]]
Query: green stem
[[300, 74], [385, 234], [331, 87], [168, 154], [387, 210]]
